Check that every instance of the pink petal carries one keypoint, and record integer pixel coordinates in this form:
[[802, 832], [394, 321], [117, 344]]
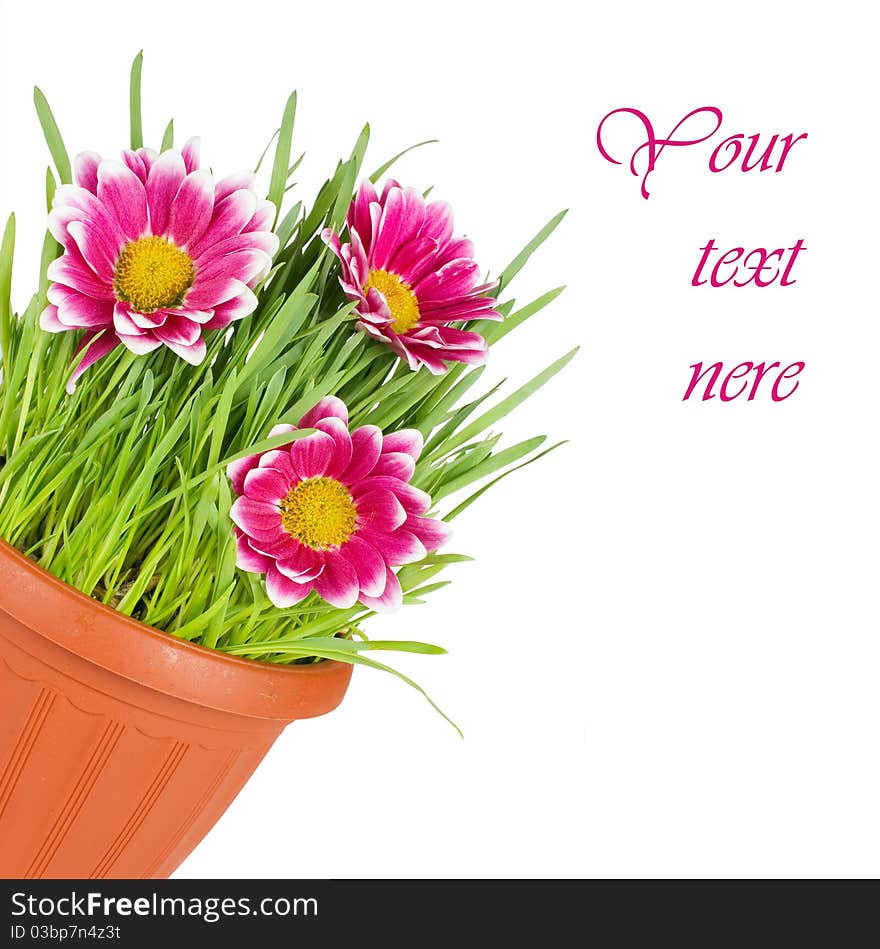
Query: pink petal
[[193, 353], [209, 294], [408, 440], [366, 446], [191, 209], [431, 532], [120, 189], [413, 499], [85, 170], [328, 407], [49, 320], [331, 239], [99, 249], [391, 598], [191, 152], [338, 582], [148, 321], [390, 185], [456, 249], [431, 357], [275, 543], [202, 317], [453, 279], [263, 219], [177, 330], [313, 455], [452, 338], [378, 307], [245, 265], [283, 428], [99, 344], [72, 203], [235, 309], [139, 345], [380, 510], [249, 559], [148, 156], [241, 180], [72, 270], [368, 563], [302, 564], [230, 215], [266, 484], [284, 592], [124, 324], [279, 459], [417, 355], [163, 183], [338, 431], [255, 517], [414, 259], [355, 256], [359, 212], [135, 163], [237, 470], [459, 309], [402, 217], [438, 221], [265, 241], [397, 464], [77, 310], [397, 547]]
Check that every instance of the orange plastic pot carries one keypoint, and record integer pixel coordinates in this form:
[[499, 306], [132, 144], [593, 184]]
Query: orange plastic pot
[[121, 746]]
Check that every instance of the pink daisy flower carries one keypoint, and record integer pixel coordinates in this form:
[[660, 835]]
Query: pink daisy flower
[[333, 513], [411, 279], [155, 252]]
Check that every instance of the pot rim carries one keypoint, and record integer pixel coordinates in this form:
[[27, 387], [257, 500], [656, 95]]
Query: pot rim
[[158, 660]]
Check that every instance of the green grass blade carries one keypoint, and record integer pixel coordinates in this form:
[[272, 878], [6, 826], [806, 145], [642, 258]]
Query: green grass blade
[[51, 187], [220, 418], [518, 262], [497, 412], [494, 331], [266, 150], [377, 174], [477, 494], [7, 252], [134, 102], [51, 249], [288, 224], [53, 137], [307, 649], [493, 463], [167, 137], [278, 181]]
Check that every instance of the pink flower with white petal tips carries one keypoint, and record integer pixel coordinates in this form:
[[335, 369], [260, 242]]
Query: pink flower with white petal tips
[[411, 279], [155, 252], [333, 512]]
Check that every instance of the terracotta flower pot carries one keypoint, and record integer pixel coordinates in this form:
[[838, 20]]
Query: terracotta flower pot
[[121, 746]]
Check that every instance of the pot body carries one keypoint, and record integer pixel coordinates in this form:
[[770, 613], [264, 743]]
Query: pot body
[[120, 746]]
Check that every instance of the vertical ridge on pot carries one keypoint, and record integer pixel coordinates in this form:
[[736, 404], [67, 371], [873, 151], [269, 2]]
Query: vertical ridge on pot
[[141, 812], [77, 798], [190, 818], [18, 755]]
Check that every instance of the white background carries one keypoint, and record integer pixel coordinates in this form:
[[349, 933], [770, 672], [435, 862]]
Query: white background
[[665, 657]]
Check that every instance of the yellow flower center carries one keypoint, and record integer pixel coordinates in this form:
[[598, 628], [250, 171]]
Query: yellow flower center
[[152, 274], [319, 512], [398, 295]]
